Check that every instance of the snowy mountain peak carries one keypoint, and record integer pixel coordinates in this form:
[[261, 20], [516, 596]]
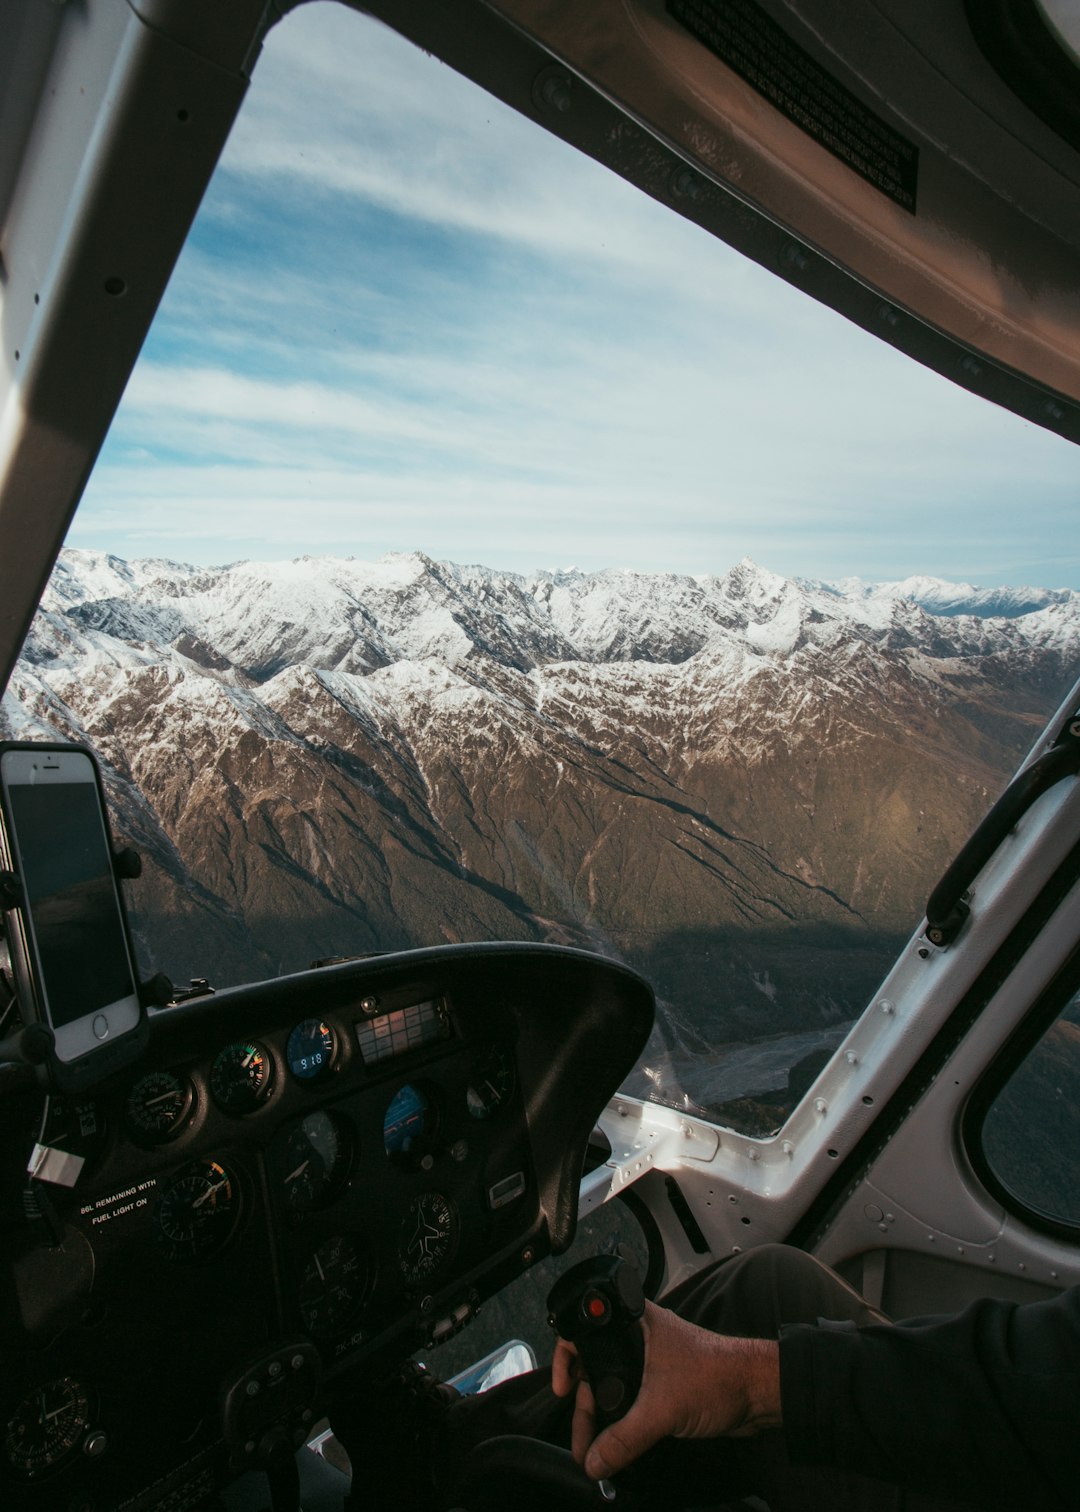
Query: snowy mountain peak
[[757, 584]]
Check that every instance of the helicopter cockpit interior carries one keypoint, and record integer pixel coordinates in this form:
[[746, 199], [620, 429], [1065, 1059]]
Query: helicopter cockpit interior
[[261, 1222]]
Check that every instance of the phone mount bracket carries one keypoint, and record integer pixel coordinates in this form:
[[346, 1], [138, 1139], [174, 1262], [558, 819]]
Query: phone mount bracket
[[33, 1045]]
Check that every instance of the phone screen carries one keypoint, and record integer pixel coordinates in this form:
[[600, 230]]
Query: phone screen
[[67, 877]]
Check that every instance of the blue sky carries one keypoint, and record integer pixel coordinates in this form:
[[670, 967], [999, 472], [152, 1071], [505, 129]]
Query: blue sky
[[408, 319]]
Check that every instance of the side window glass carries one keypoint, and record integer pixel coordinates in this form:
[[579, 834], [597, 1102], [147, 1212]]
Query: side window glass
[[1031, 1133]]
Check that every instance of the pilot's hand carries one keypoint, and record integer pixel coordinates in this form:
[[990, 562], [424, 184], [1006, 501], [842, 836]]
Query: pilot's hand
[[695, 1384]]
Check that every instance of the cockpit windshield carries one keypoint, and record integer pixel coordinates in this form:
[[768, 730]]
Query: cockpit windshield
[[482, 551]]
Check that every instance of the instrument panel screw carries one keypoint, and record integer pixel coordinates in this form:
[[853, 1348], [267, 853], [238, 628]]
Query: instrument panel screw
[[528, 1255]]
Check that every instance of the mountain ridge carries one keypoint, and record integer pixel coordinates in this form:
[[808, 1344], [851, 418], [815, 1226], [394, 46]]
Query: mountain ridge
[[722, 779]]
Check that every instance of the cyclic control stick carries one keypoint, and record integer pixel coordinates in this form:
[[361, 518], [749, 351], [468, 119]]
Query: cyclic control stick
[[597, 1306]]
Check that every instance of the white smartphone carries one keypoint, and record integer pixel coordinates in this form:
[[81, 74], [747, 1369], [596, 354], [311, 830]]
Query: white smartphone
[[69, 941]]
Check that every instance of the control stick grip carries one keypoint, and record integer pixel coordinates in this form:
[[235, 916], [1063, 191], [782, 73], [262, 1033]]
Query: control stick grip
[[597, 1306]]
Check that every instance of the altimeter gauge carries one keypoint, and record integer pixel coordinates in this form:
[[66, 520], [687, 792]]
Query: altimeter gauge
[[334, 1287], [47, 1427], [428, 1236], [197, 1211], [158, 1106], [241, 1076]]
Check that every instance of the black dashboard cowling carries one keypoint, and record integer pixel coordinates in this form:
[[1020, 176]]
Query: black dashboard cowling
[[447, 1116]]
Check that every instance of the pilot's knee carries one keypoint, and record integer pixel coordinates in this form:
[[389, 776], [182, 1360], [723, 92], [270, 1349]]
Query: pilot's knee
[[752, 1295]]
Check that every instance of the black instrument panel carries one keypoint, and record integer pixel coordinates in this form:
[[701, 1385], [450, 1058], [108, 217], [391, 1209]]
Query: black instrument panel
[[324, 1173]]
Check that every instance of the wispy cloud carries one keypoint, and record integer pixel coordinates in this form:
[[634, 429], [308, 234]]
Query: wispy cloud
[[409, 319]]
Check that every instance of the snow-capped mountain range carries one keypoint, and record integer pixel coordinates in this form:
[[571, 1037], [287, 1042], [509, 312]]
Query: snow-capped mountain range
[[744, 784], [354, 617]]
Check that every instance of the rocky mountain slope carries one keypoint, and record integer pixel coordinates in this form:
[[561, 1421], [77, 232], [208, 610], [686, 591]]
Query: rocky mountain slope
[[744, 785]]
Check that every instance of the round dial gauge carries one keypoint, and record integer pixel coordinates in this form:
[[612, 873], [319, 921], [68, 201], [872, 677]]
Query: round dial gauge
[[158, 1105], [336, 1283], [314, 1161], [310, 1050], [47, 1426], [491, 1083], [197, 1211], [407, 1120], [429, 1235], [240, 1076]]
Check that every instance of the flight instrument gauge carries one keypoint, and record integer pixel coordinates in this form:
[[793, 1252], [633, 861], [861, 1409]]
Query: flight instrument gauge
[[428, 1236], [334, 1287], [491, 1083], [47, 1427], [409, 1121], [241, 1076], [197, 1211], [314, 1161], [158, 1105], [309, 1051]]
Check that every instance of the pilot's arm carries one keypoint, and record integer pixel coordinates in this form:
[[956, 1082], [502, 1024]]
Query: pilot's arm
[[983, 1407]]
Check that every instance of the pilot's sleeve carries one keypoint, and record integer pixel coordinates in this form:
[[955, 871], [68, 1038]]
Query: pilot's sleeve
[[983, 1407]]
